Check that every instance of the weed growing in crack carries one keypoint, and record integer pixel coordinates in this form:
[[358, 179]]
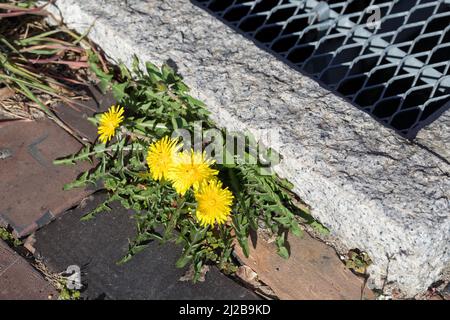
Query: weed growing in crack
[[203, 197], [7, 236]]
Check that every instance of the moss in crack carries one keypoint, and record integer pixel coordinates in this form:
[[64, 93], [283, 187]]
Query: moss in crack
[[68, 294], [358, 261], [7, 236]]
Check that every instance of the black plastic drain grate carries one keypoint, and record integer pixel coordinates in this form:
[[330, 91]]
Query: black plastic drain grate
[[398, 71]]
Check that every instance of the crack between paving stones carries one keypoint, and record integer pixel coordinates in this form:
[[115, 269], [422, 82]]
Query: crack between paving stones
[[33, 262], [12, 264]]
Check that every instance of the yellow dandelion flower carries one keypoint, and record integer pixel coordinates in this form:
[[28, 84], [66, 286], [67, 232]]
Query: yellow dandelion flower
[[213, 203], [190, 169], [161, 156], [109, 122]]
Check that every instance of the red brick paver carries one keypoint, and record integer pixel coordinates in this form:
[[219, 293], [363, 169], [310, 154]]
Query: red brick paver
[[19, 281], [31, 187], [313, 271]]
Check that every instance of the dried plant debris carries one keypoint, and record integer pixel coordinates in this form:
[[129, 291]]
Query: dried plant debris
[[191, 275], [58, 281], [250, 278], [358, 261], [41, 63], [18, 107]]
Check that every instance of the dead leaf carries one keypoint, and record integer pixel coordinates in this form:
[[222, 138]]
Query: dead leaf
[[29, 243], [6, 93], [246, 274], [189, 275], [266, 291]]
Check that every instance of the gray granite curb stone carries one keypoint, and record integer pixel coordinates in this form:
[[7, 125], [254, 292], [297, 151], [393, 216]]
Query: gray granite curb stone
[[436, 136], [375, 190]]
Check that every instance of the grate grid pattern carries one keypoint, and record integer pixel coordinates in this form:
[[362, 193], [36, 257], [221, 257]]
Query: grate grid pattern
[[399, 71]]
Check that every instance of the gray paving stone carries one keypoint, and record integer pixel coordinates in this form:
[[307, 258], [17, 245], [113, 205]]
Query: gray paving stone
[[97, 245]]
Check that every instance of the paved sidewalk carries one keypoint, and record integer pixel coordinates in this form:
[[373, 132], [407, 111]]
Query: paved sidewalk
[[18, 279]]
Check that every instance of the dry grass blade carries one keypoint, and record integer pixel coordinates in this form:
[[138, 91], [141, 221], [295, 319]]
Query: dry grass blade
[[16, 11], [53, 47], [56, 60]]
